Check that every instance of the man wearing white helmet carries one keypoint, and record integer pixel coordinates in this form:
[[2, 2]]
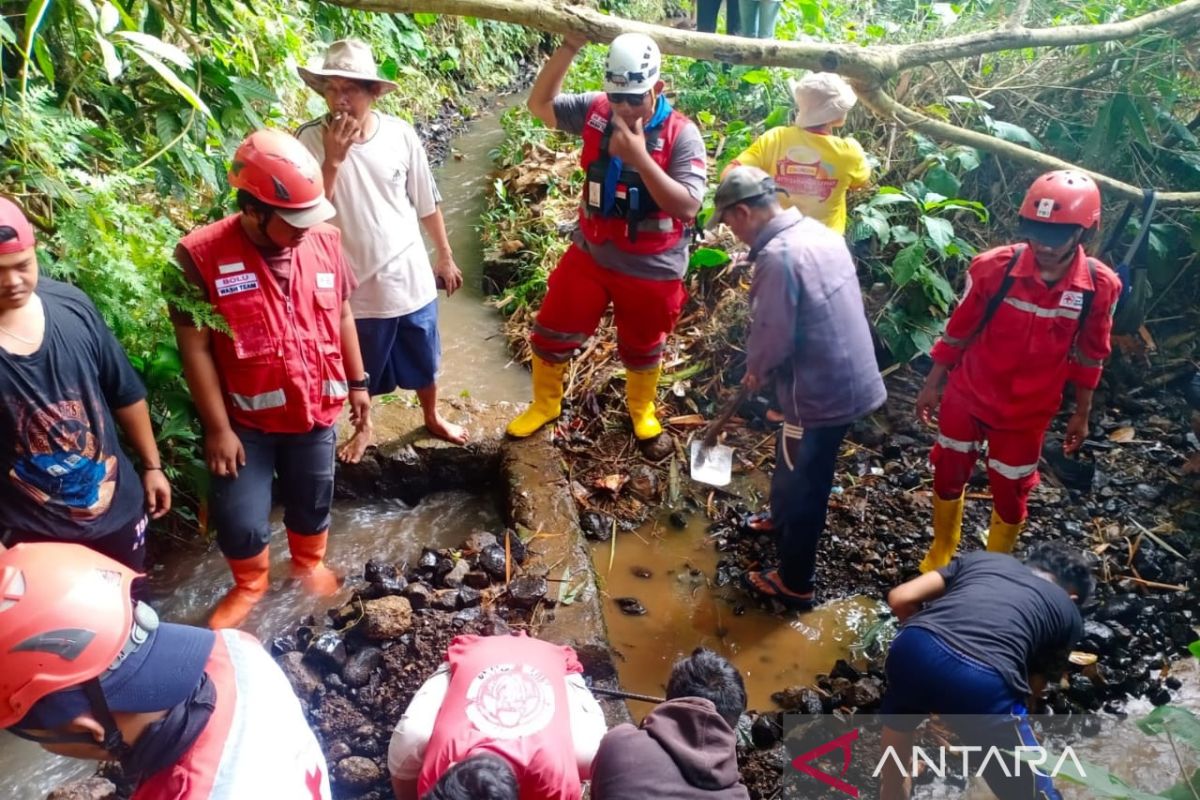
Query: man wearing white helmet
[[807, 160], [646, 171]]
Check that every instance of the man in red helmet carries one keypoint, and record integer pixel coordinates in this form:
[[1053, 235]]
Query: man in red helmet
[[1033, 317], [88, 673], [270, 393]]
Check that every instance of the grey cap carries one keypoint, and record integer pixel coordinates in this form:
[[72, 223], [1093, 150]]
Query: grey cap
[[739, 185]]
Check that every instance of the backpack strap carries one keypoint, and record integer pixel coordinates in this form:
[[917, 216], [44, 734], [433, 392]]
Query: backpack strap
[[1086, 307], [1006, 285]]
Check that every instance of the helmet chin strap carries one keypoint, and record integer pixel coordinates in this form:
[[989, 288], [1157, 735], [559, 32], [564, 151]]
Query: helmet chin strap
[[114, 741]]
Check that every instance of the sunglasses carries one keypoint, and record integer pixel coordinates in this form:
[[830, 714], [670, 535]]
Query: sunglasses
[[631, 100]]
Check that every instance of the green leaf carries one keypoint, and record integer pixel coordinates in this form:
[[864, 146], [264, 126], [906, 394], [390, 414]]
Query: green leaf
[[1194, 647], [937, 289], [959, 99], [389, 68], [779, 117], [1184, 790], [7, 34], [708, 257], [942, 181], [941, 231], [1179, 722], [44, 59], [173, 81], [113, 66], [35, 14], [425, 19], [907, 262], [109, 18], [1010, 132], [967, 158], [706, 118], [157, 47], [757, 76], [882, 199]]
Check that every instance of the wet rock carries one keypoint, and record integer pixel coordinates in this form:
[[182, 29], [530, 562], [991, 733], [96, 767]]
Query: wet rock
[[429, 560], [337, 751], [303, 678], [800, 699], [334, 682], [492, 561], [865, 693], [644, 483], [376, 571], [327, 652], [1083, 692], [527, 590], [418, 595], [445, 600], [283, 644], [359, 666], [1174, 684], [596, 526], [454, 578], [1097, 637], [477, 580], [494, 626], [469, 597], [357, 772], [1160, 696], [93, 788], [444, 565], [387, 617], [678, 520], [641, 572], [631, 606], [766, 730], [467, 615], [516, 546], [1122, 608], [384, 587], [842, 669], [479, 541]]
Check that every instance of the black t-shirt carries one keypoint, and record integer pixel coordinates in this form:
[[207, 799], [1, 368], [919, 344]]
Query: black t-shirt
[[997, 611], [62, 471]]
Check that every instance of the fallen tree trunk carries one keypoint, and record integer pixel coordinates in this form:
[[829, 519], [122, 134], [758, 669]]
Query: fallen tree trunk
[[867, 68]]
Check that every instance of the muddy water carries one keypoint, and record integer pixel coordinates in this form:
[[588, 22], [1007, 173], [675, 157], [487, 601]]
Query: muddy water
[[685, 612]]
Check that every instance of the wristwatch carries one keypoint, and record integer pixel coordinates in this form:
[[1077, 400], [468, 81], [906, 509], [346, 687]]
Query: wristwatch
[[362, 384]]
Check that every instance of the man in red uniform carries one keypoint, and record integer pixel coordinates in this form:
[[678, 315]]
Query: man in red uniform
[[269, 395], [646, 172], [1033, 317], [504, 711]]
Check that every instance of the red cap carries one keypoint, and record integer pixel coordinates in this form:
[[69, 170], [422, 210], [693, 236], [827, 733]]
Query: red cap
[[12, 217]]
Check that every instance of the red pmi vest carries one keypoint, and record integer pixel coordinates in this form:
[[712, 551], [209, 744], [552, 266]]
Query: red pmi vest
[[658, 231], [282, 370], [508, 697]]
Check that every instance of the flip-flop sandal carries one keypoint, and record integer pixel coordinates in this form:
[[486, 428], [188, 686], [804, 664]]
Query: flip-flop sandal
[[757, 522], [777, 592]]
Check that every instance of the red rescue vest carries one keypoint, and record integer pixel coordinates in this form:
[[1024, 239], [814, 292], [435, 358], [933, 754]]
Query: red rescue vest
[[282, 371], [508, 697], [657, 231]]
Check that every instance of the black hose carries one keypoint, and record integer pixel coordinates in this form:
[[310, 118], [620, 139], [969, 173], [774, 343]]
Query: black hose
[[645, 698]]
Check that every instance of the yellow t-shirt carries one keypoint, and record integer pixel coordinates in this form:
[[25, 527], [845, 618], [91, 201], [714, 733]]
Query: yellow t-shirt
[[816, 170]]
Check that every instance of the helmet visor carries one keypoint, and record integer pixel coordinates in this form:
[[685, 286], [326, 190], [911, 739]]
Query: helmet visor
[[1047, 234]]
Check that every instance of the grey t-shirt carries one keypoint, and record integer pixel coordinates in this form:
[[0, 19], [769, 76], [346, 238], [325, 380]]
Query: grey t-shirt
[[688, 166], [997, 611]]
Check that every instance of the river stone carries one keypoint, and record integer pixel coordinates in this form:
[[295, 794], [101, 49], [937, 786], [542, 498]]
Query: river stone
[[384, 587], [479, 540], [679, 520], [359, 667], [631, 606], [337, 751], [283, 644], [445, 600], [377, 571], [516, 546], [1097, 637], [865, 693], [477, 580], [357, 772], [596, 526], [801, 699], [469, 597], [326, 652], [418, 595], [303, 678], [641, 572], [644, 484], [1123, 608], [766, 730], [527, 590], [93, 788], [428, 560], [842, 669], [454, 578], [492, 561], [387, 617]]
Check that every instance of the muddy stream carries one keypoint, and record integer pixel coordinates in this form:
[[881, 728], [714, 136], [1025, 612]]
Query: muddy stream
[[668, 570]]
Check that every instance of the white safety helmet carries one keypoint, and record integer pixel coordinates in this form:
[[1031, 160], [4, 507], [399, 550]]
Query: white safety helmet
[[634, 64]]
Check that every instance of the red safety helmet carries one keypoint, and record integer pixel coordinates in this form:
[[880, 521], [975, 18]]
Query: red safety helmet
[[65, 617], [276, 169], [1063, 197]]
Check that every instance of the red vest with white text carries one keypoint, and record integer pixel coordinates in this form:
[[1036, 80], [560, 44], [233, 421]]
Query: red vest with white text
[[256, 744], [508, 697], [282, 371], [658, 231]]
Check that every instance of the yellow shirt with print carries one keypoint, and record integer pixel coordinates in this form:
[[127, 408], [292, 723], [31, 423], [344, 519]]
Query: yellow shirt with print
[[816, 170]]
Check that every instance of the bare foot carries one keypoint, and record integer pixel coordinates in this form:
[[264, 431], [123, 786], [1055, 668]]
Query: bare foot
[[352, 451], [442, 428]]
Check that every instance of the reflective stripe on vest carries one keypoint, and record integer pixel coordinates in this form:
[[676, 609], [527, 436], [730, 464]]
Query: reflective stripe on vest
[[259, 402], [335, 389]]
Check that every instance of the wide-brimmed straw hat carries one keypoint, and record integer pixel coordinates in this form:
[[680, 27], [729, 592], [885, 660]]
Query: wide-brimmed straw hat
[[346, 58]]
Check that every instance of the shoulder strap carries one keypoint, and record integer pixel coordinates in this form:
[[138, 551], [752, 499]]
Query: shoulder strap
[[995, 300], [1088, 295]]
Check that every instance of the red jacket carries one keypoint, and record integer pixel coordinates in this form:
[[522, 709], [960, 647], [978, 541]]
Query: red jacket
[[659, 231], [1015, 369], [282, 370], [508, 697]]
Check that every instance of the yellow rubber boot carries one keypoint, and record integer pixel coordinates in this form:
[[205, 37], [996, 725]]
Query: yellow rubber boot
[[640, 390], [547, 399], [947, 530], [251, 578], [1002, 536], [308, 563]]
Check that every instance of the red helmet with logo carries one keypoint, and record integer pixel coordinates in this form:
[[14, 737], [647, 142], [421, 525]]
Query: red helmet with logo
[[65, 616], [1063, 197], [275, 168]]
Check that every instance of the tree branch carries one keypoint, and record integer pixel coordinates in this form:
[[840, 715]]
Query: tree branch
[[1017, 18], [883, 106], [921, 53]]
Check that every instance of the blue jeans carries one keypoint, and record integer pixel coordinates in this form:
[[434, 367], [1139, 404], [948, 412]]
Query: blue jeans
[[706, 16], [800, 489]]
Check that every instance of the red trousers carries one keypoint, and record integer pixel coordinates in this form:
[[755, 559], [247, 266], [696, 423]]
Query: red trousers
[[1012, 457], [577, 295]]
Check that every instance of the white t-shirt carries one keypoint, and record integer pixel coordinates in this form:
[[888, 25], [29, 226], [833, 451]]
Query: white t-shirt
[[382, 191], [406, 753]]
